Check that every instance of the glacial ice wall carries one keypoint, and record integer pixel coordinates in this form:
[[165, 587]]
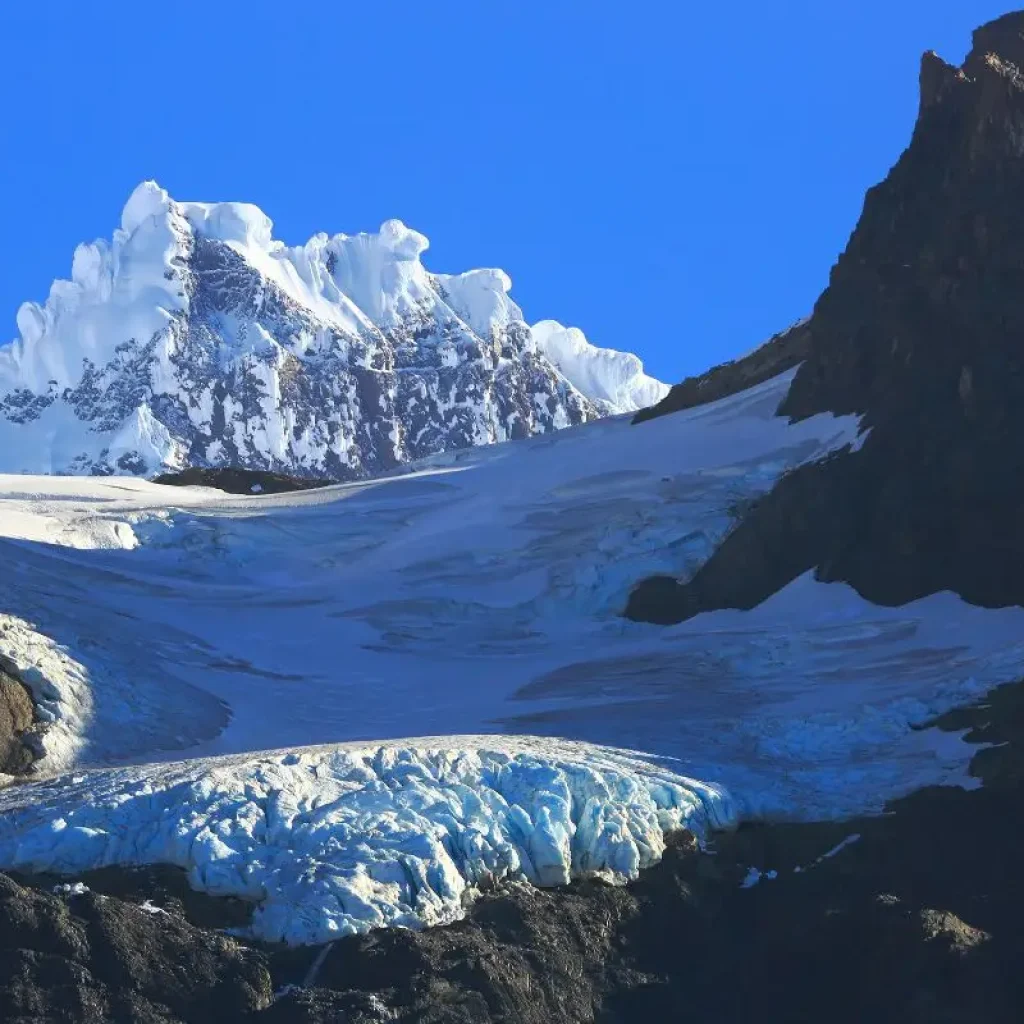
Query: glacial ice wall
[[334, 841]]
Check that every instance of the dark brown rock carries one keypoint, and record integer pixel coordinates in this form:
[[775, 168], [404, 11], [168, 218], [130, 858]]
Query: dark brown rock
[[240, 481], [779, 354], [90, 958], [17, 713], [930, 281], [921, 333]]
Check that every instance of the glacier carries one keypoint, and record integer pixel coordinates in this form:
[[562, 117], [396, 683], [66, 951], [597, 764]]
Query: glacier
[[194, 338], [331, 842], [333, 701]]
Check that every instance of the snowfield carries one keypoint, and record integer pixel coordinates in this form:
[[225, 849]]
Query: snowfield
[[178, 635]]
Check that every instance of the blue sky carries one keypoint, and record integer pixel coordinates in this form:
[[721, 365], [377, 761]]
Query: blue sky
[[676, 179]]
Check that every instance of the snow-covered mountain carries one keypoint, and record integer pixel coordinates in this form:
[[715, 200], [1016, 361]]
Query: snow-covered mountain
[[194, 338]]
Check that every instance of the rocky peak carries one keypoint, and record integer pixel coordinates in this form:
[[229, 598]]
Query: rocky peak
[[930, 285], [928, 291], [921, 332], [984, 95], [1003, 37], [938, 79]]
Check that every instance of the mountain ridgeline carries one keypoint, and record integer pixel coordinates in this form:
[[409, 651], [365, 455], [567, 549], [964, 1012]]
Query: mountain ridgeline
[[921, 332], [194, 339]]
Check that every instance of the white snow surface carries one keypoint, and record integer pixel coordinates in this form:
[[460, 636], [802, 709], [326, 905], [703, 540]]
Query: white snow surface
[[616, 378], [180, 634], [194, 337]]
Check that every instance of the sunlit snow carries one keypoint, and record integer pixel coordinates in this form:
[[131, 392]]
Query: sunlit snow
[[193, 331]]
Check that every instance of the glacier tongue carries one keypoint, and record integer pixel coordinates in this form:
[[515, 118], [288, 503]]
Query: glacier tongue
[[194, 337], [335, 841]]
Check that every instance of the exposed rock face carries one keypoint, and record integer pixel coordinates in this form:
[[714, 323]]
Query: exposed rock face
[[240, 481], [92, 959], [924, 309], [775, 356], [920, 330], [17, 714]]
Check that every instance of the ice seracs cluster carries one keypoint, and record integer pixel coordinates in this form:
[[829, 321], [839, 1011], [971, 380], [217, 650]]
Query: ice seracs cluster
[[332, 842], [193, 337]]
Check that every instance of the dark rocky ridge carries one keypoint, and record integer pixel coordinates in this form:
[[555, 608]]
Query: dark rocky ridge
[[90, 958], [240, 481], [919, 331], [775, 356]]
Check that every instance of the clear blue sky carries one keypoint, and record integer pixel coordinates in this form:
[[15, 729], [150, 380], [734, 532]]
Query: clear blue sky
[[674, 177]]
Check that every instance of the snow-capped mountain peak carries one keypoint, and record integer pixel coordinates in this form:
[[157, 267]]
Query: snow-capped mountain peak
[[194, 337]]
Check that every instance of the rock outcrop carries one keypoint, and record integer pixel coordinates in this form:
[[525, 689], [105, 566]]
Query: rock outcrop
[[17, 718], [775, 356], [86, 958], [240, 481], [920, 332]]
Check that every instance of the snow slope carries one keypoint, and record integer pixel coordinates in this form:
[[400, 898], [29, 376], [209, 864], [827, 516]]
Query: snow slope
[[193, 337], [475, 599]]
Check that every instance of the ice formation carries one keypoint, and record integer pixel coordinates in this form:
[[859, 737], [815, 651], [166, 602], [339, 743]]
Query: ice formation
[[602, 374], [332, 842], [60, 688]]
